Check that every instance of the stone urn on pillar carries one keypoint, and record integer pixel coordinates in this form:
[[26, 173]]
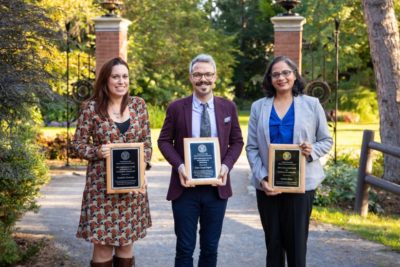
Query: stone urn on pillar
[[288, 32], [288, 5], [111, 34], [111, 6]]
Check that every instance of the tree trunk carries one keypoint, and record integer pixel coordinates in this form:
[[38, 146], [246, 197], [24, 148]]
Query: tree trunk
[[383, 33]]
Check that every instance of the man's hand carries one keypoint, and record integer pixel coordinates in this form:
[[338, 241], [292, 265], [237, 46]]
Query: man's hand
[[183, 177], [267, 189], [223, 176]]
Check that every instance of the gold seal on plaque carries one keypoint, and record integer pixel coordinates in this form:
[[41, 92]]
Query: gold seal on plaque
[[287, 155]]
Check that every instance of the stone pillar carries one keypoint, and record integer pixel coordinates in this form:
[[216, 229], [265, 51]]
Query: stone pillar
[[111, 39], [288, 37]]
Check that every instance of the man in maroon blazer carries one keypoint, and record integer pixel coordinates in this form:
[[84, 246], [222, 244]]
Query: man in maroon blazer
[[203, 203]]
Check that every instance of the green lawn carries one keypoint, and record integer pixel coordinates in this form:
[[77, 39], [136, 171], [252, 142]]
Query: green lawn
[[51, 132], [380, 229], [157, 156], [349, 136]]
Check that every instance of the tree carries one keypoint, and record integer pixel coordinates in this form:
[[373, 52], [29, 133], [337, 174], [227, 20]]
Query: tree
[[78, 16], [25, 33], [249, 22], [356, 84], [319, 42], [164, 37], [383, 33]]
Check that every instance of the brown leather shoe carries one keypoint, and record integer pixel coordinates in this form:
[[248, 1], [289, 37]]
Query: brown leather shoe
[[123, 262], [101, 264]]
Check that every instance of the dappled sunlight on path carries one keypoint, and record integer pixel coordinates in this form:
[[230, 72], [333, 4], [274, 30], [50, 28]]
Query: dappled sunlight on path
[[242, 241]]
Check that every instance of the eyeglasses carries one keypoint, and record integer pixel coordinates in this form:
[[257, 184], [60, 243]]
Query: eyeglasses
[[284, 73], [197, 75]]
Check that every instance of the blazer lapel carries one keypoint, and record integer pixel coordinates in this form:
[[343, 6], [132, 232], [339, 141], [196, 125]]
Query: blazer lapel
[[187, 111], [219, 117], [264, 118]]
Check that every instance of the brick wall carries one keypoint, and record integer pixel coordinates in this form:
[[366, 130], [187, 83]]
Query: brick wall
[[289, 44], [110, 45], [288, 32], [111, 39]]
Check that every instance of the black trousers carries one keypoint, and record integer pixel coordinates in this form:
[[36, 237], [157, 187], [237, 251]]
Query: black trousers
[[285, 219]]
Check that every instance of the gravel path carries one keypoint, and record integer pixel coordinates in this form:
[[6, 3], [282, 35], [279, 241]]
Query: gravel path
[[242, 241]]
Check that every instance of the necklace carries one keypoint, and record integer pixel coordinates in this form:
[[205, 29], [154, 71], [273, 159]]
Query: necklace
[[117, 114]]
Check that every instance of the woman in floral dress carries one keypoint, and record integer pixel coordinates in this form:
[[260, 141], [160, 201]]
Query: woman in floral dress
[[112, 222]]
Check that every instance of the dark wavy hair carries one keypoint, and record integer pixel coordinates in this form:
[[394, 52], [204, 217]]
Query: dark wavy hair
[[298, 86], [101, 91]]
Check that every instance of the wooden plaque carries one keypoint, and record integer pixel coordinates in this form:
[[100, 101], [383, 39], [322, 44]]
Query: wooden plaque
[[202, 160], [286, 172], [125, 167]]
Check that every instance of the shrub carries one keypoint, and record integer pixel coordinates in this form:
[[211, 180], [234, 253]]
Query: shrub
[[377, 163], [243, 104], [339, 186], [9, 252], [22, 173], [53, 110], [55, 148], [25, 77], [156, 115], [362, 101], [17, 251]]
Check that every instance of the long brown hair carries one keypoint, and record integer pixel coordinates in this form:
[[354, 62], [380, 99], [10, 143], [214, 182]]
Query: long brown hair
[[101, 91]]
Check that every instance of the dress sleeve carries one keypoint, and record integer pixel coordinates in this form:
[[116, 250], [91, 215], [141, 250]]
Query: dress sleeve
[[145, 135], [83, 137]]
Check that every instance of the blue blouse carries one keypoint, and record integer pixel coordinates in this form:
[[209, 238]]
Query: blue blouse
[[281, 130]]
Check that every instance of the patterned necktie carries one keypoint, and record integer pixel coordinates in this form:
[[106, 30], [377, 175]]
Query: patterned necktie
[[205, 125]]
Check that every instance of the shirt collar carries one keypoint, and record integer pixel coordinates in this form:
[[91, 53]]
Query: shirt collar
[[197, 102]]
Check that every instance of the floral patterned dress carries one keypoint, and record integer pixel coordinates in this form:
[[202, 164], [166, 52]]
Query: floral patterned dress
[[111, 219]]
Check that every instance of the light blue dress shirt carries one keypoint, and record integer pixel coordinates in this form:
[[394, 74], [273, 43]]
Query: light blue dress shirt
[[197, 109]]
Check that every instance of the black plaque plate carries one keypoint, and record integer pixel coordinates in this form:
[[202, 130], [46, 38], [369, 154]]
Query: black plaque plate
[[125, 168], [287, 168], [202, 160]]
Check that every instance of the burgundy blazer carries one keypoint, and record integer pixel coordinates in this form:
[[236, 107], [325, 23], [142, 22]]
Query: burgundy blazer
[[178, 125]]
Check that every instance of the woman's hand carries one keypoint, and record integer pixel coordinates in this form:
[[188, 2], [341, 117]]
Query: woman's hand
[[143, 189], [267, 189], [306, 149], [104, 151]]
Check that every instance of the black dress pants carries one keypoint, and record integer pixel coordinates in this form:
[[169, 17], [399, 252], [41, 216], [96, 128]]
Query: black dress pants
[[285, 219]]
